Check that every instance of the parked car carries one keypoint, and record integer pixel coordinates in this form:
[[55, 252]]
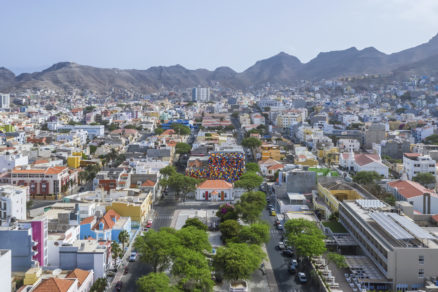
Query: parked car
[[280, 245], [269, 207], [126, 270], [280, 227], [294, 262], [301, 277], [133, 256], [288, 252], [292, 268], [119, 286]]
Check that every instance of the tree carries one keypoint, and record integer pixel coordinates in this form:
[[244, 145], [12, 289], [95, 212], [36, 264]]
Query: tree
[[182, 148], [251, 205], [123, 238], [156, 248], [99, 285], [116, 252], [191, 269], [238, 261], [366, 177], [305, 236], [227, 212], [154, 282], [249, 181], [168, 170], [180, 129], [425, 178], [194, 238], [251, 142], [337, 259], [180, 183], [195, 222], [432, 139], [252, 167], [159, 131], [256, 233], [229, 229]]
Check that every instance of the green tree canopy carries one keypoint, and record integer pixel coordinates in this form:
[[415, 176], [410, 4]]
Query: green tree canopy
[[99, 285], [181, 129], [230, 229], [366, 177], [159, 131], [182, 148], [194, 238], [180, 183], [252, 167], [156, 248], [249, 181], [305, 236], [168, 170], [432, 139], [195, 222], [337, 259], [154, 282], [116, 251], [256, 233], [251, 205], [227, 212], [238, 261], [426, 179], [251, 142], [191, 269], [123, 238]]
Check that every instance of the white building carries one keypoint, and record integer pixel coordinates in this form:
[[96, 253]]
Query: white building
[[5, 269], [422, 199], [201, 94], [363, 162], [348, 145], [55, 240], [4, 100], [92, 130], [215, 190], [415, 163], [13, 202], [10, 161]]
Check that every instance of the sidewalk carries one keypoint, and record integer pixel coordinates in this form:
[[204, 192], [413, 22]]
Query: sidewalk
[[270, 277]]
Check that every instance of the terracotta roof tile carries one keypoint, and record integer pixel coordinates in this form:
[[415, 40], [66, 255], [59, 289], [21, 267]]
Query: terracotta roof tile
[[215, 184], [87, 220], [79, 274], [409, 189], [54, 285], [148, 183]]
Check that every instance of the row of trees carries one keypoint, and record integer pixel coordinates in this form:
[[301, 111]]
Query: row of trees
[[369, 180]]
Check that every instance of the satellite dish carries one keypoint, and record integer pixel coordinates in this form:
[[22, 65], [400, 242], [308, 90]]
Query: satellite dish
[[56, 272]]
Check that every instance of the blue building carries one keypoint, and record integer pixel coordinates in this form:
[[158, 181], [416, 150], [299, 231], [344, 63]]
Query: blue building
[[169, 124], [107, 227], [19, 241]]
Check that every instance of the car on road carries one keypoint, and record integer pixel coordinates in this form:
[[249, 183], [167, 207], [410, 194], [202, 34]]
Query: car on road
[[126, 270], [292, 268], [294, 262], [301, 277], [119, 286], [269, 207], [280, 245], [133, 256], [273, 213], [287, 252], [280, 227], [277, 221]]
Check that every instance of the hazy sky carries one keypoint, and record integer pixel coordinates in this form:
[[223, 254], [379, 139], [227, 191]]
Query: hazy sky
[[203, 33]]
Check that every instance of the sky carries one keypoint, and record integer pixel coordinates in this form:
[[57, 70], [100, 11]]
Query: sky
[[202, 33]]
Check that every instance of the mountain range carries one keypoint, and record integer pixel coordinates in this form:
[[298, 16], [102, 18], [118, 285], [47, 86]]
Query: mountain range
[[281, 69]]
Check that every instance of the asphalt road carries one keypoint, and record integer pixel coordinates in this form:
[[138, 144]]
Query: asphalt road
[[286, 282]]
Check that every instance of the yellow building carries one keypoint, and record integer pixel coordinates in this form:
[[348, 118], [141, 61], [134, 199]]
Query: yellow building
[[334, 192], [329, 156], [138, 211], [270, 151], [32, 276], [74, 161]]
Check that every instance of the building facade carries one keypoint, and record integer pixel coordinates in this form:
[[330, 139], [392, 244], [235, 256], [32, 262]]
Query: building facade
[[415, 163]]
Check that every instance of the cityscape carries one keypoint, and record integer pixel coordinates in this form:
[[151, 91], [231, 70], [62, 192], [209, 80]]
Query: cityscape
[[316, 173]]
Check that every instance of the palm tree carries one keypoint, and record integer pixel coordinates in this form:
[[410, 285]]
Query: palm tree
[[124, 238], [116, 252]]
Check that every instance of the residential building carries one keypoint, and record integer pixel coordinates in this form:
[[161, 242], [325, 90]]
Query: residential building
[[215, 190], [86, 255], [106, 227], [425, 201], [22, 254], [5, 100], [269, 167], [9, 161], [13, 203], [201, 94], [422, 133], [374, 134], [5, 269], [92, 130], [404, 253], [55, 240], [415, 163], [45, 182], [270, 151], [348, 145], [363, 162]]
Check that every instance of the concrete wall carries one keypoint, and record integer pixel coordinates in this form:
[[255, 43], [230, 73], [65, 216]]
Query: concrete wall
[[5, 270], [19, 242]]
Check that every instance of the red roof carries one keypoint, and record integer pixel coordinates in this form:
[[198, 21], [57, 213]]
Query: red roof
[[412, 155], [87, 220], [148, 183], [409, 189], [54, 285], [276, 166], [107, 220], [435, 217], [215, 184], [364, 158], [79, 274]]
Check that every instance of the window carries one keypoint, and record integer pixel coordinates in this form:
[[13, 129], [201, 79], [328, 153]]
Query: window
[[421, 259], [421, 273]]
